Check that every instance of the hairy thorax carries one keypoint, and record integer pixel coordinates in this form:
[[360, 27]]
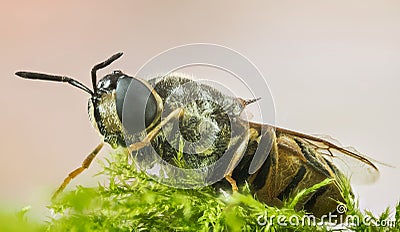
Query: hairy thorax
[[205, 129]]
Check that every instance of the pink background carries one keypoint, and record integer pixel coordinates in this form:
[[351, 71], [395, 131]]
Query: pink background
[[333, 68]]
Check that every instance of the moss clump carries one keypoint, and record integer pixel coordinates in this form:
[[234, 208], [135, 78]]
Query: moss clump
[[132, 201]]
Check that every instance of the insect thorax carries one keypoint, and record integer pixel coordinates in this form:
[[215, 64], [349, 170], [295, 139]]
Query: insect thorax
[[204, 132]]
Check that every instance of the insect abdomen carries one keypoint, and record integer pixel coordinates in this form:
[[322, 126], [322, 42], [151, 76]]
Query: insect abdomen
[[295, 167]]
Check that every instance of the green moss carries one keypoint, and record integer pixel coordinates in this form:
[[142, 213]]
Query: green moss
[[132, 201], [19, 222]]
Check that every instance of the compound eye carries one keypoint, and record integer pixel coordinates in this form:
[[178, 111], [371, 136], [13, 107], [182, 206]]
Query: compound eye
[[137, 107]]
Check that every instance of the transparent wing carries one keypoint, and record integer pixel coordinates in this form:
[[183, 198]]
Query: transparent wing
[[356, 166]]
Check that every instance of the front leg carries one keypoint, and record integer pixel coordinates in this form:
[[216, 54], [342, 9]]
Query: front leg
[[85, 165], [176, 114]]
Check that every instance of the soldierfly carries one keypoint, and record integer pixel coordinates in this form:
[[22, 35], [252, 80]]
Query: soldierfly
[[210, 123]]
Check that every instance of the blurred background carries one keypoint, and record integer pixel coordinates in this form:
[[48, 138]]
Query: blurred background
[[333, 68]]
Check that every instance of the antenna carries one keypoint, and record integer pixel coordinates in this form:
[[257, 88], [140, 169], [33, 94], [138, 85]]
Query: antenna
[[100, 66], [47, 77], [57, 78]]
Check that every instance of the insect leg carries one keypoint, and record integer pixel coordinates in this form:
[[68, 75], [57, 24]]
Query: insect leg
[[85, 164], [237, 156], [153, 133]]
